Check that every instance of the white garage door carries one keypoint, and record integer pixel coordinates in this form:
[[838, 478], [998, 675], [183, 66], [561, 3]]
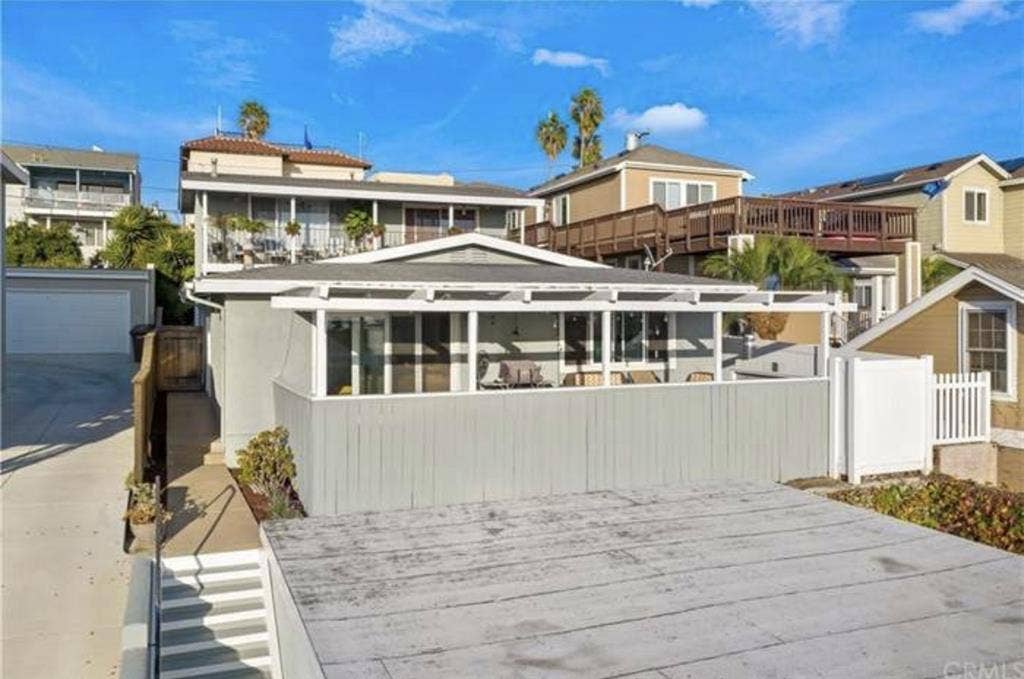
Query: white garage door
[[66, 322]]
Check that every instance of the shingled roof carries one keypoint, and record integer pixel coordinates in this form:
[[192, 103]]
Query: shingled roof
[[58, 156], [225, 143], [649, 153], [893, 180]]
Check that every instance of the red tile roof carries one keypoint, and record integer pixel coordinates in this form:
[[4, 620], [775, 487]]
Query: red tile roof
[[258, 147]]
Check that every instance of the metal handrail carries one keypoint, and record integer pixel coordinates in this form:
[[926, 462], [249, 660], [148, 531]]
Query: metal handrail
[[156, 587]]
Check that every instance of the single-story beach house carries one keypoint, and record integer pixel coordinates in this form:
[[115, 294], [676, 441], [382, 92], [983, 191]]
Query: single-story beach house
[[403, 342]]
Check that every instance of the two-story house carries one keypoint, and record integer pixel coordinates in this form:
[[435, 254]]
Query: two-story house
[[83, 187], [281, 184], [968, 204]]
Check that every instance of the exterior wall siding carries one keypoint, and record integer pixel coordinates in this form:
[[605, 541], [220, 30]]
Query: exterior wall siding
[[236, 163], [935, 331], [262, 344], [312, 171], [1013, 220], [638, 184], [963, 236], [929, 214], [357, 454], [591, 199]]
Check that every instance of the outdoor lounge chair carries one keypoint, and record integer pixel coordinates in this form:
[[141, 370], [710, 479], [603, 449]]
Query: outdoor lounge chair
[[643, 377], [700, 376], [521, 373]]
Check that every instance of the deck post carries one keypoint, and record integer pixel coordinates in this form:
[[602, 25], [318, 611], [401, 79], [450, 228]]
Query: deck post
[[319, 361], [716, 334], [606, 348], [388, 349], [357, 352], [451, 219], [473, 328]]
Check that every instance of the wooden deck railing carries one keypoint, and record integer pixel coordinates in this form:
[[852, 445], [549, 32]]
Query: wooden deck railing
[[832, 227]]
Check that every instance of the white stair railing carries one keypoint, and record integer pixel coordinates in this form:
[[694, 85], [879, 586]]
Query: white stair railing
[[961, 407]]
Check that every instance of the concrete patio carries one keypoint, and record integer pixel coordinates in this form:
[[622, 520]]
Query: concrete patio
[[707, 579], [67, 448]]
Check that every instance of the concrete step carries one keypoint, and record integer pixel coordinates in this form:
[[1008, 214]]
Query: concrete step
[[224, 615], [175, 591], [217, 663], [218, 641], [198, 633], [208, 577], [210, 563], [210, 600]]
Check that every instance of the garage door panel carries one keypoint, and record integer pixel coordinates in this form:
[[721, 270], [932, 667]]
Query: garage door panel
[[67, 322]]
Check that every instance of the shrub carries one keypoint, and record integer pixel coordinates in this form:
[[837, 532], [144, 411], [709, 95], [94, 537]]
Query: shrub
[[145, 505], [267, 463], [963, 508], [280, 506]]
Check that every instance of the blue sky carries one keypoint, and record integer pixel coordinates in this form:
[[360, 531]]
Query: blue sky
[[797, 93]]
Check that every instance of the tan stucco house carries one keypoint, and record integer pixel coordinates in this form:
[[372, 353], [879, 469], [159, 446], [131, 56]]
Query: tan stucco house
[[970, 323], [637, 176]]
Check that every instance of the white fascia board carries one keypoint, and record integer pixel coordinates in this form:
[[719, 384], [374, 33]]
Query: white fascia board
[[362, 194], [463, 240], [980, 158], [571, 181], [984, 160], [363, 304], [97, 274], [11, 167], [932, 297], [70, 212], [272, 287], [1012, 181]]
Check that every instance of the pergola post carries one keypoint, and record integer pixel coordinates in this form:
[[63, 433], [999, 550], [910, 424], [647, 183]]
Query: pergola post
[[451, 218], [824, 343], [291, 218], [319, 380], [606, 348], [473, 328], [388, 371], [716, 334], [357, 351]]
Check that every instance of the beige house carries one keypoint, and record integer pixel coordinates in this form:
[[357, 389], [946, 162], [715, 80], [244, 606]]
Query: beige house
[[970, 323], [966, 204], [637, 176]]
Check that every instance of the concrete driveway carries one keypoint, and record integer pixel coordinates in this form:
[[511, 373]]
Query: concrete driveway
[[67, 437]]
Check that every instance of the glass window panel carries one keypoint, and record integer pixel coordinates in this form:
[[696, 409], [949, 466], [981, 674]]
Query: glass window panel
[[969, 206], [576, 338], [675, 198], [633, 335], [981, 209], [707, 193], [403, 354], [595, 325], [371, 356], [659, 193], [436, 352], [465, 219], [657, 337], [339, 357], [692, 194]]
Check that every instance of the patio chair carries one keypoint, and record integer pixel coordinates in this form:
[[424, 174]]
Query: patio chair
[[521, 373], [700, 376], [643, 377]]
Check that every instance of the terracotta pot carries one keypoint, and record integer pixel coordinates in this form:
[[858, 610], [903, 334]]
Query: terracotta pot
[[145, 535]]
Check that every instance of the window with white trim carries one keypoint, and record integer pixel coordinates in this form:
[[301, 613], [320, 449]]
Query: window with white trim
[[560, 210], [987, 343], [637, 337], [514, 219], [976, 206], [671, 194]]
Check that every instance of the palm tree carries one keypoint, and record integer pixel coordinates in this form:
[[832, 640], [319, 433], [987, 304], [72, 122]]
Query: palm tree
[[587, 112], [779, 264], [551, 134], [253, 119], [935, 271], [135, 227]]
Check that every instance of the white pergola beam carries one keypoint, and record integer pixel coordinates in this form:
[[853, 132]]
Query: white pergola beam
[[473, 332], [716, 337], [369, 304]]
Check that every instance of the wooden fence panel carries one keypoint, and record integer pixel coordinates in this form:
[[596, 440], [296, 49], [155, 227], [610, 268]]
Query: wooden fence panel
[[143, 403], [180, 358]]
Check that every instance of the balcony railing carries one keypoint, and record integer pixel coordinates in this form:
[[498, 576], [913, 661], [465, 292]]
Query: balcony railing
[[831, 227], [74, 201]]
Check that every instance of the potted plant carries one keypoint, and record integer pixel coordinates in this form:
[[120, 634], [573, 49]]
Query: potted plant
[[267, 465], [358, 225], [454, 230], [292, 229], [143, 509], [250, 227], [378, 236]]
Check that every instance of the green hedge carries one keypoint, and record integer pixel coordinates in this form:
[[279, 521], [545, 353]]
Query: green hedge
[[981, 513]]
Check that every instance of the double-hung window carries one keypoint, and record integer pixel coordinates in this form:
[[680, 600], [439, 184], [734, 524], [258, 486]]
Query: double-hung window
[[671, 194], [987, 343], [636, 337], [976, 206]]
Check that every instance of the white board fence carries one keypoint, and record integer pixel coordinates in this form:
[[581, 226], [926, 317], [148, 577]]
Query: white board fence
[[961, 407]]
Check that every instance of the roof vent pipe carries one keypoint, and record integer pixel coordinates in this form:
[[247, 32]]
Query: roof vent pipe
[[632, 141], [213, 167]]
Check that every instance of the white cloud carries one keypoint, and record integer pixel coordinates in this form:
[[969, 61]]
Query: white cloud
[[805, 22], [952, 19], [570, 60], [219, 60], [677, 117], [701, 4], [385, 27]]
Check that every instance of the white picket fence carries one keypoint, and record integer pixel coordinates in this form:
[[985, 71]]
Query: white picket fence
[[960, 407]]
